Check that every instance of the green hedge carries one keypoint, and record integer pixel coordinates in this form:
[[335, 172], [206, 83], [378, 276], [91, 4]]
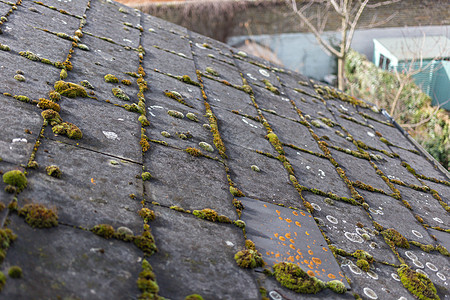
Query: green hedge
[[366, 81]]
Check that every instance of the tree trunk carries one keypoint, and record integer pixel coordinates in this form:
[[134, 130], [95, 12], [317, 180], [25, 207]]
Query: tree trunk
[[341, 73]]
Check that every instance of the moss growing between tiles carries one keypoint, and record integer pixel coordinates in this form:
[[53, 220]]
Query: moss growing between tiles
[[104, 230], [273, 139], [15, 272], [68, 129], [146, 176], [6, 238], [47, 104], [37, 215], [147, 214], [212, 71], [206, 214], [176, 96], [70, 90], [236, 192], [293, 277], [147, 283], [111, 78], [53, 171], [119, 93], [193, 297], [15, 181], [175, 114], [249, 258], [146, 242], [418, 284], [395, 237], [270, 87], [2, 280], [54, 96]]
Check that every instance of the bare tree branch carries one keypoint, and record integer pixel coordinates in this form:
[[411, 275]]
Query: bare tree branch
[[382, 3], [427, 119], [311, 27], [353, 25]]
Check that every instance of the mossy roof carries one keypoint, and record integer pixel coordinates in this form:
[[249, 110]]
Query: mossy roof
[[315, 174]]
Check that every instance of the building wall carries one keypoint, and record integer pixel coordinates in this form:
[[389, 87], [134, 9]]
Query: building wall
[[441, 85]]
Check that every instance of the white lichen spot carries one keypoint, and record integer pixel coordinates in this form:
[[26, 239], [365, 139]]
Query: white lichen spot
[[321, 174], [438, 220], [372, 274], [200, 46], [416, 233], [275, 295], [230, 244], [128, 41], [370, 134], [251, 76], [19, 140], [285, 99], [422, 272], [353, 237], [441, 276], [354, 268], [308, 167], [216, 99], [402, 298], [431, 266], [361, 231], [411, 255], [316, 206], [248, 123], [370, 293], [264, 73], [395, 276], [417, 263], [343, 107], [332, 219], [111, 135], [120, 119]]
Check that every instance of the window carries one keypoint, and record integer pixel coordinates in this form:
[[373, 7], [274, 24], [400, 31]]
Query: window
[[384, 62]]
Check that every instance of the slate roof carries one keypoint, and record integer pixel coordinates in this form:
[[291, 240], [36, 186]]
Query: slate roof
[[165, 180]]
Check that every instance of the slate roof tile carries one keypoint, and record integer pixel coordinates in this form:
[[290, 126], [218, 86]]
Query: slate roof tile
[[245, 152]]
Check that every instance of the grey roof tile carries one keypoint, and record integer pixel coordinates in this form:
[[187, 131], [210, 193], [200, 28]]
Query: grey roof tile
[[288, 144]]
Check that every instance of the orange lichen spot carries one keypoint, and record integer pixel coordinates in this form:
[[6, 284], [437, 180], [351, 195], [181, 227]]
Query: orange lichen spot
[[265, 205], [311, 273], [276, 235], [292, 241], [306, 232], [323, 270], [292, 247], [302, 213], [299, 252], [277, 255], [331, 276], [278, 212], [295, 233], [288, 235], [290, 258], [310, 252], [325, 249], [316, 260], [340, 274], [306, 261], [288, 220], [311, 267], [297, 257], [308, 246], [281, 218], [282, 238], [295, 213], [298, 224], [92, 181], [267, 253]]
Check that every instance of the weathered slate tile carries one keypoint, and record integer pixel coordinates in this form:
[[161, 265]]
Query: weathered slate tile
[[242, 131], [315, 172], [74, 7], [290, 132], [85, 196], [358, 169], [279, 104], [160, 83], [20, 126], [167, 41], [206, 265], [283, 234], [228, 97], [70, 262], [393, 169], [270, 184], [220, 70], [112, 21], [386, 211], [205, 180], [426, 207], [339, 221], [106, 128]]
